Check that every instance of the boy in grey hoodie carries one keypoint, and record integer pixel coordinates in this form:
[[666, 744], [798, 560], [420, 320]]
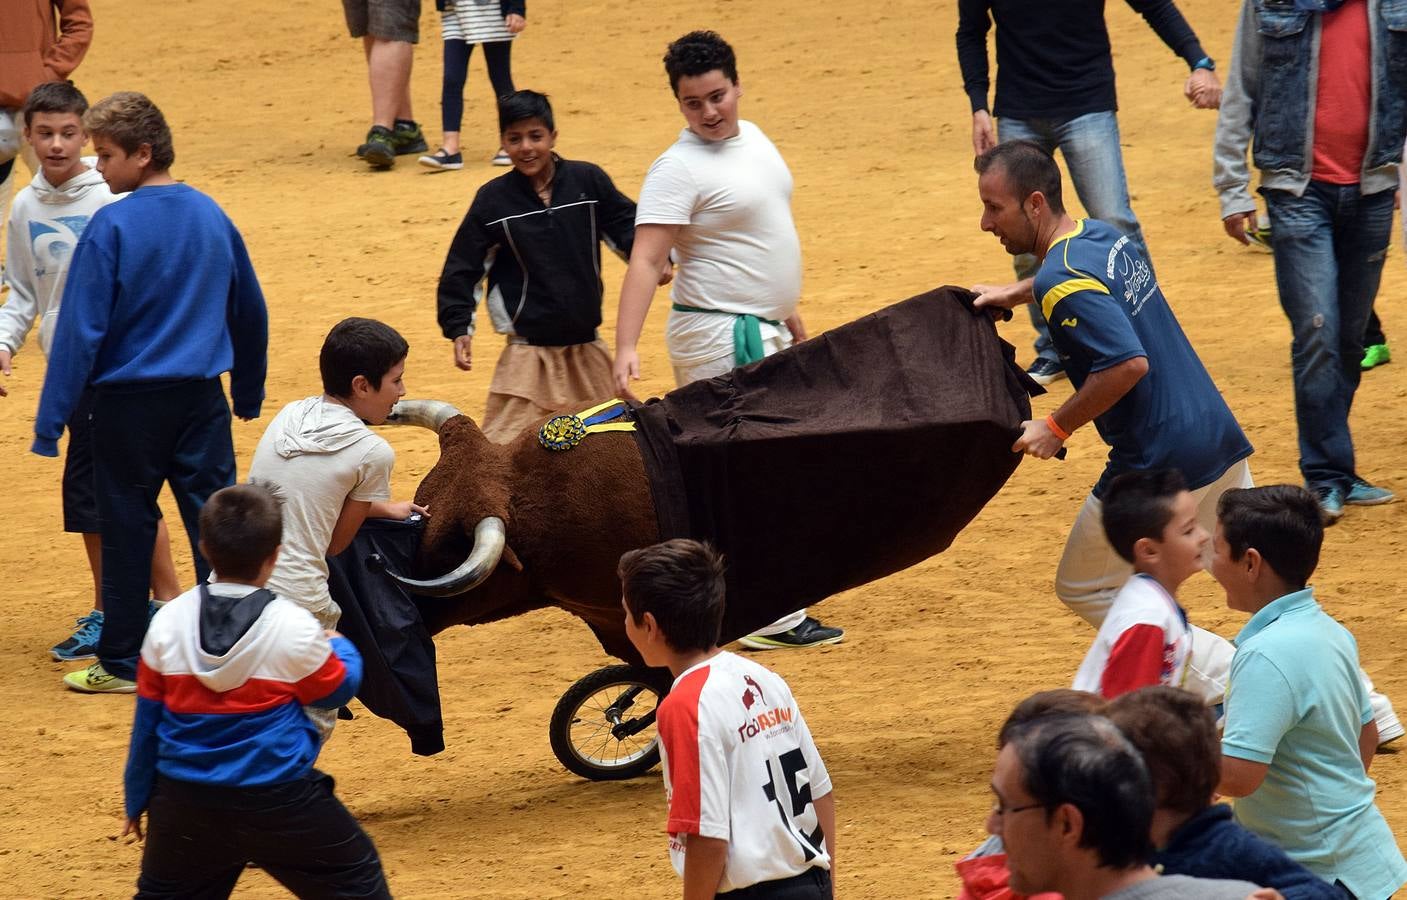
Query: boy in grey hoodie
[[45, 224], [331, 471]]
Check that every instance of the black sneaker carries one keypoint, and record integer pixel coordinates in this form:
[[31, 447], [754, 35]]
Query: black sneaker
[[1044, 371], [380, 148], [810, 633], [407, 138]]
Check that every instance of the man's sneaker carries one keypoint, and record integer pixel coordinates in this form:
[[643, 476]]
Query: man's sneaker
[[440, 161], [1364, 494], [407, 138], [380, 148], [501, 158], [1374, 356], [1044, 371], [809, 633], [1330, 503], [96, 680], [83, 643]]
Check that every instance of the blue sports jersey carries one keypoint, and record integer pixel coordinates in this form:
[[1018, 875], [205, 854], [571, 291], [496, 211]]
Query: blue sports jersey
[[1104, 307]]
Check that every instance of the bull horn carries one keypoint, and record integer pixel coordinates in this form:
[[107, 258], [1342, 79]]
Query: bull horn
[[429, 414], [489, 539]]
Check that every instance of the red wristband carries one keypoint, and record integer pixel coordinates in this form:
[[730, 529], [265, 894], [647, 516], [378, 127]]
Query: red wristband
[[1055, 428]]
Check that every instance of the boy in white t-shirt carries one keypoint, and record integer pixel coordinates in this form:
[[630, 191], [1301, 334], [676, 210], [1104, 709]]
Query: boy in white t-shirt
[[718, 202], [751, 812], [1150, 519], [329, 469]]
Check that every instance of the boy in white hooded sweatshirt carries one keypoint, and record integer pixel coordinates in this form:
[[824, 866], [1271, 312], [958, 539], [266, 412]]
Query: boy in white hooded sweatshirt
[[45, 224], [329, 469]]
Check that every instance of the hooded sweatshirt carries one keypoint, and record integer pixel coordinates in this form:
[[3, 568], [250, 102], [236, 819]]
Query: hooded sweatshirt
[[45, 225], [224, 674], [318, 455]]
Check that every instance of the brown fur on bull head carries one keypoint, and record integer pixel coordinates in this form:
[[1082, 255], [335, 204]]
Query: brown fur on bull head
[[568, 517]]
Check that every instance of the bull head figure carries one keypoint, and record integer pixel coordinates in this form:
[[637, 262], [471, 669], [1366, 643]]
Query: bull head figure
[[490, 535]]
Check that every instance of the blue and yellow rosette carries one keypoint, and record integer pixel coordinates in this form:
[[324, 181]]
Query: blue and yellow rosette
[[565, 432]]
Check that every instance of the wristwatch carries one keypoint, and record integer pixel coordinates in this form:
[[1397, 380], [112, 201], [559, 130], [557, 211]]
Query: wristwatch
[[1205, 62]]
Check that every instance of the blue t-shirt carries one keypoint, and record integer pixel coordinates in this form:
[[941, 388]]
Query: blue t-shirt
[[1105, 307], [1295, 701]]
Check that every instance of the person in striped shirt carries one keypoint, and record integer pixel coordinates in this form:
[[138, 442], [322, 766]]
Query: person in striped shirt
[[222, 752]]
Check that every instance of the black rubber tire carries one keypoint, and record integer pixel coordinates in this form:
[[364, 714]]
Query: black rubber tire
[[571, 710]]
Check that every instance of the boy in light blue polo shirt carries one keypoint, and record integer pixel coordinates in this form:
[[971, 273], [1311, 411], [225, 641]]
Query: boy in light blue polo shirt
[[1299, 728]]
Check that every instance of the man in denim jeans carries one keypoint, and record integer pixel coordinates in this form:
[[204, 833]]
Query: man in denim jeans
[[1059, 93], [1321, 86]]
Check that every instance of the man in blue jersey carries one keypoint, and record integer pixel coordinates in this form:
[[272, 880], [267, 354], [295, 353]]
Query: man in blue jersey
[[1135, 374]]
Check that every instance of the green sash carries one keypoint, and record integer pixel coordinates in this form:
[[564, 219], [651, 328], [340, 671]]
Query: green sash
[[747, 332]]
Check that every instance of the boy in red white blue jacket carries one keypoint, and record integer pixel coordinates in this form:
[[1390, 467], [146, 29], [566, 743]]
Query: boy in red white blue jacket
[[222, 752]]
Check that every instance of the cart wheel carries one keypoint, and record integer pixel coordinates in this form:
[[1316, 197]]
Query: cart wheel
[[604, 726]]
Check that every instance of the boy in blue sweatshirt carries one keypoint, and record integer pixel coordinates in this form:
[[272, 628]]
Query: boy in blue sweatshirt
[[161, 300], [222, 752]]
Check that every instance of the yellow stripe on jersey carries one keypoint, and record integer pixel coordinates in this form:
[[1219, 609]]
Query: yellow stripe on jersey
[[1065, 289]]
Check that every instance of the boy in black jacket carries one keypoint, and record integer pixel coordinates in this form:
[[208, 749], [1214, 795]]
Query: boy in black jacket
[[535, 233]]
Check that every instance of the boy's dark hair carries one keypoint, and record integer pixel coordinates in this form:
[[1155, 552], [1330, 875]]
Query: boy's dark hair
[[696, 53], [1028, 167], [1139, 505], [54, 97], [1058, 702], [1176, 734], [1282, 521], [519, 106], [679, 582], [240, 528], [1085, 761], [357, 346], [131, 120]]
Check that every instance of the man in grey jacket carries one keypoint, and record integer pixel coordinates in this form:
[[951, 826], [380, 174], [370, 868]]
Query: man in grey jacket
[[1321, 87]]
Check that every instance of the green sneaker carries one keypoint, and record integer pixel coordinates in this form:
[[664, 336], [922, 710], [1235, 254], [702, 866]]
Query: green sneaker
[[407, 138], [380, 148], [96, 680], [1374, 356]]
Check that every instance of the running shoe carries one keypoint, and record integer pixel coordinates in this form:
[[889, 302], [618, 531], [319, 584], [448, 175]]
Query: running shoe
[[83, 643], [1045, 371], [96, 680], [1375, 355], [407, 138], [1364, 494], [380, 148], [810, 633], [1331, 501]]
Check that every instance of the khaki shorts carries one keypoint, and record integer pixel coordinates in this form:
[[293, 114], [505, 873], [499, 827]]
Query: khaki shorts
[[389, 20]]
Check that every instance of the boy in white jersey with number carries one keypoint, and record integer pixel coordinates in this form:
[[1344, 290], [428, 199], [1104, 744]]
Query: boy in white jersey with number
[[1150, 519], [751, 813]]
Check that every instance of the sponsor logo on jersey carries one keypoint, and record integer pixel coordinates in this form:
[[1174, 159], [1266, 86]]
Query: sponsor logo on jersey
[[764, 721], [752, 693], [1070, 322]]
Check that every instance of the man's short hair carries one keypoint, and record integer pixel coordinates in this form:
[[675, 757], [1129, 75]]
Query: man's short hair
[[240, 528], [1176, 733], [696, 53], [1282, 521], [130, 120], [1057, 702], [54, 97], [679, 582], [1086, 762], [1028, 167], [519, 106], [357, 346], [1139, 505]]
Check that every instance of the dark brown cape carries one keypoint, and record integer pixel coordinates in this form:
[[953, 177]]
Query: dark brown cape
[[842, 459]]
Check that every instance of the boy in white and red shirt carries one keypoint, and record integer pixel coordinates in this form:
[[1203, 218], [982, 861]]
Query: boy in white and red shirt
[[751, 813], [1150, 519]]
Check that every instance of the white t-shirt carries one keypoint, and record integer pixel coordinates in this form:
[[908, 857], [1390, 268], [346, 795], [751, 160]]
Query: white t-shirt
[[738, 250], [318, 455], [740, 766], [1145, 640]]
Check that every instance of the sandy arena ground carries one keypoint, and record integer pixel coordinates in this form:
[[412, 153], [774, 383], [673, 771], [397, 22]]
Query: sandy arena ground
[[267, 101]]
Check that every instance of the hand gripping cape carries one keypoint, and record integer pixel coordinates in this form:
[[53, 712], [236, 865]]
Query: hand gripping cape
[[842, 459]]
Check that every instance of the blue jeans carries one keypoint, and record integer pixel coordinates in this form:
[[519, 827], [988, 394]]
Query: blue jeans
[[1329, 246], [1090, 145]]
